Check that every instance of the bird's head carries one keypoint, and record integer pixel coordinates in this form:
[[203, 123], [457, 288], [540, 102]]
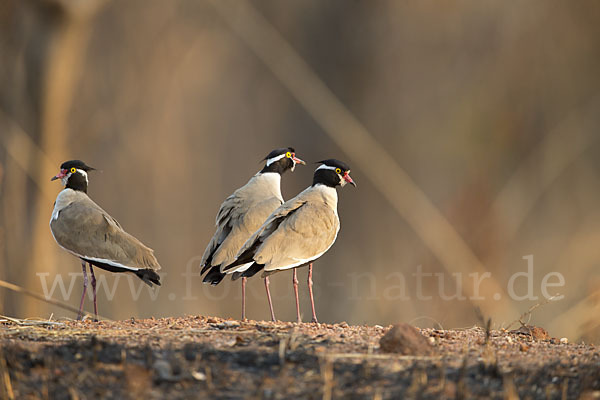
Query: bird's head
[[333, 173], [73, 174], [280, 160]]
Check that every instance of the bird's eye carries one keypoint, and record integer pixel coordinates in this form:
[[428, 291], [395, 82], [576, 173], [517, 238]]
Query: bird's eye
[[73, 170], [338, 171], [288, 154]]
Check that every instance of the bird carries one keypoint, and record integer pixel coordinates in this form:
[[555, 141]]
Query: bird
[[297, 233], [85, 230], [242, 213]]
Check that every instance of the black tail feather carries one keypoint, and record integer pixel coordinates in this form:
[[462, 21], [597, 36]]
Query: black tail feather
[[236, 263], [149, 276], [207, 264], [236, 275], [253, 270], [214, 276], [205, 268], [244, 258]]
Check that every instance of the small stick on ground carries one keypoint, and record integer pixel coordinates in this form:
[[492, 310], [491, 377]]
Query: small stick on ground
[[19, 289], [486, 323], [527, 314], [327, 373], [7, 391]]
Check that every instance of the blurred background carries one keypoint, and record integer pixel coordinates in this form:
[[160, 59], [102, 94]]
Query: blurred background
[[471, 128]]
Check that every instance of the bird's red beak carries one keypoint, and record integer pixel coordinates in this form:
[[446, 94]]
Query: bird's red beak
[[348, 179], [60, 175], [297, 160]]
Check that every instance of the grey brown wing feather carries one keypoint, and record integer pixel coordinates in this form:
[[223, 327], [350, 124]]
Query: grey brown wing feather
[[245, 224], [86, 230], [236, 221], [246, 252], [223, 229], [302, 237], [224, 224]]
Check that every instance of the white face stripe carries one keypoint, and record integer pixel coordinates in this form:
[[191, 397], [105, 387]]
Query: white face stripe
[[274, 159], [82, 172], [323, 166]]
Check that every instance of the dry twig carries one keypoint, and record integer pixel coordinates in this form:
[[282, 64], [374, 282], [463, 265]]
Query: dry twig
[[527, 314], [64, 306]]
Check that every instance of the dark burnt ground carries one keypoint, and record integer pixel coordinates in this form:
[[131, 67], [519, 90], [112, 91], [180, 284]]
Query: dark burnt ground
[[199, 357]]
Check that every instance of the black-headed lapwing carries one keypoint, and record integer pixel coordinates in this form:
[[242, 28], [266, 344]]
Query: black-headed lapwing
[[242, 213], [88, 232], [298, 232]]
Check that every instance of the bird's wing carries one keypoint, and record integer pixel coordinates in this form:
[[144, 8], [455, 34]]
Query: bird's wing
[[86, 230], [224, 225], [243, 221], [246, 253], [300, 238]]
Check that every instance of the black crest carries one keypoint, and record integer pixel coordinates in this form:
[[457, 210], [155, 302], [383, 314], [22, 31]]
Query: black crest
[[76, 164]]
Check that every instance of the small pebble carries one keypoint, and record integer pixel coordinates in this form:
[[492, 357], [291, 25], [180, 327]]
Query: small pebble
[[564, 340], [163, 369], [199, 376], [523, 347]]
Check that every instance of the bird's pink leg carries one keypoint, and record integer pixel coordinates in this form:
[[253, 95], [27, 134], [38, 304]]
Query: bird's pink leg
[[244, 279], [85, 284], [310, 292], [269, 298], [94, 291], [295, 283]]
